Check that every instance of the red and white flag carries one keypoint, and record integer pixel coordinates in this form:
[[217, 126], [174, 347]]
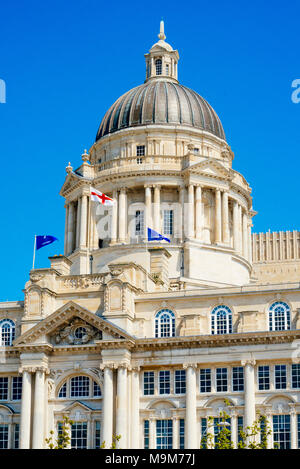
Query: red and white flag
[[103, 199]]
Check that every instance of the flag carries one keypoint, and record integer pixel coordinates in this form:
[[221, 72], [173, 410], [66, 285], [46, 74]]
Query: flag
[[42, 241], [97, 196], [154, 236]]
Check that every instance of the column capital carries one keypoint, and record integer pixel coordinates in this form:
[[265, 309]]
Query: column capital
[[108, 365], [251, 362], [34, 369], [190, 365]]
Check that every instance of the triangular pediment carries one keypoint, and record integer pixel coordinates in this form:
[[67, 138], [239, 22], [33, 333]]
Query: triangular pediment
[[65, 320], [211, 168]]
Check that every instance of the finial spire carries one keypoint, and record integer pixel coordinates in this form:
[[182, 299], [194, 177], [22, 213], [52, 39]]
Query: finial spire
[[162, 35]]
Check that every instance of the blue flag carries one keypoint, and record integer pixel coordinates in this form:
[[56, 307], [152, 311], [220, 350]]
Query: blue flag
[[154, 236], [42, 241]]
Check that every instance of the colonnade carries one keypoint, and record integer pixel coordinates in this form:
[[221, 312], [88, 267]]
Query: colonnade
[[33, 377], [230, 226]]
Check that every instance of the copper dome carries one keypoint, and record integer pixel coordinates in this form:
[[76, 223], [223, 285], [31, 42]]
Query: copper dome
[[160, 101]]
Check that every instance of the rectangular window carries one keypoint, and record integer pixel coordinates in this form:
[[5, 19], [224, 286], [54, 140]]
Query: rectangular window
[[282, 431], [3, 436], [205, 380], [139, 222], [168, 222], [280, 376], [80, 386], [97, 434], [4, 389], [16, 436], [180, 382], [238, 378], [16, 392], [218, 426], [148, 383], [221, 380], [296, 376], [146, 434], [164, 434], [96, 390], [164, 382], [298, 428], [203, 443], [79, 435], [140, 150], [139, 161], [263, 378], [240, 428], [181, 433]]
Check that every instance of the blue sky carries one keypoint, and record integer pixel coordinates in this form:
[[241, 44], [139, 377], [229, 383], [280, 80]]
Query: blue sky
[[65, 62]]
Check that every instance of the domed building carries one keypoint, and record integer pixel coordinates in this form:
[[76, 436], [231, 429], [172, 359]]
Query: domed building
[[164, 305]]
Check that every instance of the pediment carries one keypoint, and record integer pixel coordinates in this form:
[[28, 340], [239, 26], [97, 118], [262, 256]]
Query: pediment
[[61, 325], [212, 169]]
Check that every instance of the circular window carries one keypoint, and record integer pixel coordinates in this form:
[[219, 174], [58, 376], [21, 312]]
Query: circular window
[[80, 332]]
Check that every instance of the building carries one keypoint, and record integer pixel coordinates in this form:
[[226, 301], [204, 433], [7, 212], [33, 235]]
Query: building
[[145, 339]]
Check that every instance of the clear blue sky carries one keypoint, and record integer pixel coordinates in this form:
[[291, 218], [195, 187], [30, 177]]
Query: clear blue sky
[[65, 62]]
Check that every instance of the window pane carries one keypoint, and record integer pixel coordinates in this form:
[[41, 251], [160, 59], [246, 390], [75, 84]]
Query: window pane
[[164, 434], [146, 434], [79, 435], [221, 380], [168, 222], [238, 378], [164, 382], [4, 389], [205, 380], [180, 382], [263, 378], [181, 434], [80, 386], [148, 383], [280, 376], [97, 434], [3, 436], [16, 388], [296, 376], [282, 431]]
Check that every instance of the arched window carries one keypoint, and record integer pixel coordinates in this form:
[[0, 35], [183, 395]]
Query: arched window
[[158, 65], [7, 332], [79, 386], [279, 316], [165, 323], [221, 320]]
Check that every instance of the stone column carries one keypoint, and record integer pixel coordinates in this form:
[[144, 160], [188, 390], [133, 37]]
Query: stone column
[[114, 219], [249, 243], [107, 409], [152, 433], [121, 407], [234, 429], [66, 230], [198, 212], [25, 423], [38, 428], [135, 408], [148, 218], [294, 430], [249, 396], [218, 217], [240, 232], [191, 230], [78, 223], [156, 222], [191, 407], [122, 215], [182, 232], [70, 227], [175, 423], [225, 219], [235, 225], [83, 221], [245, 235]]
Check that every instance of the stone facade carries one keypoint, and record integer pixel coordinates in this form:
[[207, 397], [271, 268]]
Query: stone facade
[[145, 339]]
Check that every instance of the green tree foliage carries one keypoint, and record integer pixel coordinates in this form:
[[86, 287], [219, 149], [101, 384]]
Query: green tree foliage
[[63, 439], [218, 433]]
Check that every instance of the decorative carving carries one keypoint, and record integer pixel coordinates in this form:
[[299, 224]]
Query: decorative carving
[[76, 333], [35, 277], [78, 281]]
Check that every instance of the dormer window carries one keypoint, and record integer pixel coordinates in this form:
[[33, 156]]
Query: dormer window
[[158, 65], [140, 150]]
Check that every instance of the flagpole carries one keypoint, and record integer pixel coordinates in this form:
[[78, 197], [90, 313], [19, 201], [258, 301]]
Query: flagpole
[[34, 252]]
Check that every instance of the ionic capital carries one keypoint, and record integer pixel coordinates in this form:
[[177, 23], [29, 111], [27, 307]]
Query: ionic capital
[[190, 365], [250, 362]]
